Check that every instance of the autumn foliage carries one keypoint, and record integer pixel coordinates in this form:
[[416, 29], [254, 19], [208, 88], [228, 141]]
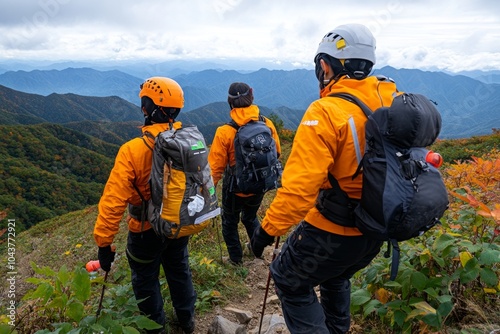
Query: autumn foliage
[[449, 277], [477, 183]]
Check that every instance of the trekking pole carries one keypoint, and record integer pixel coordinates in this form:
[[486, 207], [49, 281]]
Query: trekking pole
[[275, 252], [94, 266], [218, 236], [102, 296]]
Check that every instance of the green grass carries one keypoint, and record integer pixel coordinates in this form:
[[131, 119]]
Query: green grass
[[68, 240]]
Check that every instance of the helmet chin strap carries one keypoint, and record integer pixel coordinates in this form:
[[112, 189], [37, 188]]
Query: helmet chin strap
[[320, 74], [336, 66], [326, 82], [161, 115]]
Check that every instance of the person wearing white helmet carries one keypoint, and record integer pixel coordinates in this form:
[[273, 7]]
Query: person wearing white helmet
[[320, 251]]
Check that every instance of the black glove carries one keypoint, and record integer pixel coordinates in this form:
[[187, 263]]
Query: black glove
[[260, 240], [106, 256]]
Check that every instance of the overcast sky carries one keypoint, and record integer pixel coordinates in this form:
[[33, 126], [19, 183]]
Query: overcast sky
[[450, 35]]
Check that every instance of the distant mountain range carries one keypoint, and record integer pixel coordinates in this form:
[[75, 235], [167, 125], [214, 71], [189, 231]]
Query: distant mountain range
[[468, 106], [294, 89], [81, 81], [111, 119], [23, 108], [492, 76]]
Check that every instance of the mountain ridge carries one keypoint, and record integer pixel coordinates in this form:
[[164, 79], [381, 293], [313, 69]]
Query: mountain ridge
[[469, 107], [25, 108], [81, 81]]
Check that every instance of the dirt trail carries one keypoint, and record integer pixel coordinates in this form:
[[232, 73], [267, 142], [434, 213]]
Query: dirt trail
[[258, 272]]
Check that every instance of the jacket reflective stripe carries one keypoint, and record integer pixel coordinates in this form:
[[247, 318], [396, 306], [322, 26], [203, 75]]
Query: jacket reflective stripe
[[355, 139], [323, 144]]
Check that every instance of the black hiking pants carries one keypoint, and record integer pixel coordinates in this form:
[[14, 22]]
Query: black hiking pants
[[234, 207], [312, 257], [146, 253]]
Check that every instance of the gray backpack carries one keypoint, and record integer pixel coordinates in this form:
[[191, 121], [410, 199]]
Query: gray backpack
[[183, 198]]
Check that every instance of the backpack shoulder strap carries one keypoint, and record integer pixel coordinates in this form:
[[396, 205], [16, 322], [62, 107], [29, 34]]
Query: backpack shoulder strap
[[355, 100], [233, 124], [143, 207], [150, 136]]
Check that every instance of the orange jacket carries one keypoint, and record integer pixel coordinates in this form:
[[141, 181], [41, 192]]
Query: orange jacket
[[132, 166], [324, 143], [222, 149]]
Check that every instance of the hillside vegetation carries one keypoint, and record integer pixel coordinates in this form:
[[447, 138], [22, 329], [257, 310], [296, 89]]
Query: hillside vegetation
[[23, 108], [48, 170], [448, 280]]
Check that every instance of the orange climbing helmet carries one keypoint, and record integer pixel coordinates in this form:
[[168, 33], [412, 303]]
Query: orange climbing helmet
[[164, 92]]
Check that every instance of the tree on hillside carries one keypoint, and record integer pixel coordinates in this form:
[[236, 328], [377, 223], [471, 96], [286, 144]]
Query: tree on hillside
[[278, 122]]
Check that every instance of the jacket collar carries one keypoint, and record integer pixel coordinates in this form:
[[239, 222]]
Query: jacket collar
[[242, 116]]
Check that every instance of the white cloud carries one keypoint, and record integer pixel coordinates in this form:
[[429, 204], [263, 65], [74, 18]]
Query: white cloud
[[451, 34]]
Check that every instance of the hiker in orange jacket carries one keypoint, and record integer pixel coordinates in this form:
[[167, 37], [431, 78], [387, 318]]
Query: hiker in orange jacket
[[222, 157], [161, 101], [320, 252]]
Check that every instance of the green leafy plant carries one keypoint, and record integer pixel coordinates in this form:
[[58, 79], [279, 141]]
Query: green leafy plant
[[207, 275], [449, 273], [61, 303]]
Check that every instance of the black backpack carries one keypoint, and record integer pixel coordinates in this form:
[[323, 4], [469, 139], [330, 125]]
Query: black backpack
[[257, 168], [403, 195]]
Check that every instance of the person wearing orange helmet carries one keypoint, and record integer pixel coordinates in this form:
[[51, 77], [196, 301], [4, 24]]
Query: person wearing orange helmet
[[322, 252], [161, 101]]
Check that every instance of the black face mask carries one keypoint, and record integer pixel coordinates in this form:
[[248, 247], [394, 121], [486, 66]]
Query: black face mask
[[157, 114], [320, 74], [147, 107], [318, 70], [354, 68], [334, 63]]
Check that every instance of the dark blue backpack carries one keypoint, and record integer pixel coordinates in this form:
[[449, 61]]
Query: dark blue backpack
[[257, 168], [403, 195]]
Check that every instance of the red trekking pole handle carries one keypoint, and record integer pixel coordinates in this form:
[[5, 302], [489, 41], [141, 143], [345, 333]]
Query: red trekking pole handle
[[92, 265]]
